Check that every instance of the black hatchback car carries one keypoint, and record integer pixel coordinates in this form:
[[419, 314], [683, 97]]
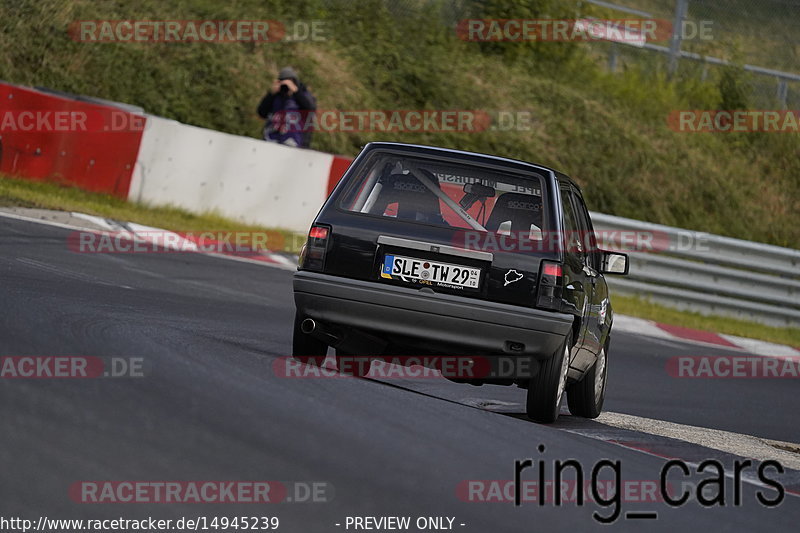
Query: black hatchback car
[[447, 253]]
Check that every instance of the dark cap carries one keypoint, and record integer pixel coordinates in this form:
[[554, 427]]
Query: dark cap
[[287, 73]]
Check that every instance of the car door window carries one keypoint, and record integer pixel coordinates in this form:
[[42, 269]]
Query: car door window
[[587, 236], [572, 239]]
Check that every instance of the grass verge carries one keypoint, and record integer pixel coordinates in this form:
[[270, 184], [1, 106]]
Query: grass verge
[[642, 308], [23, 193]]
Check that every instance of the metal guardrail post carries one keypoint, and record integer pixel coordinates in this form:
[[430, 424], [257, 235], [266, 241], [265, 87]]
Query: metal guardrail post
[[783, 92], [681, 6], [612, 58]]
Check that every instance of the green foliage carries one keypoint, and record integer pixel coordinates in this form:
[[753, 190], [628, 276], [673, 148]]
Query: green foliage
[[392, 53], [734, 81], [609, 131], [536, 53], [733, 88]]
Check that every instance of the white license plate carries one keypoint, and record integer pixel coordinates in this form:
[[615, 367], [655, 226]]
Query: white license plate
[[428, 272]]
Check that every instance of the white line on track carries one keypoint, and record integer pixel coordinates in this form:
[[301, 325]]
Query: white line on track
[[281, 262], [724, 441]]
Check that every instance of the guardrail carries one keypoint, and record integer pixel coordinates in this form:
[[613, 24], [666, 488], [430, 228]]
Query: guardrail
[[706, 273]]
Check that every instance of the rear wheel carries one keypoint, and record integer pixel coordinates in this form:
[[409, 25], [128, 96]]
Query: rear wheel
[[306, 348], [547, 387], [585, 398]]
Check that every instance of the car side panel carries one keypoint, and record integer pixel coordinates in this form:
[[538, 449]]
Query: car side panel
[[577, 292]]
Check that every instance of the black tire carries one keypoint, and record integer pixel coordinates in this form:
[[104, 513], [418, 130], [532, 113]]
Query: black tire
[[306, 348], [352, 364], [585, 398], [547, 387]]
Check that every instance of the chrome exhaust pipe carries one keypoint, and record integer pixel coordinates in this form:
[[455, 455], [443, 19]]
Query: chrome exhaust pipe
[[349, 341], [308, 326]]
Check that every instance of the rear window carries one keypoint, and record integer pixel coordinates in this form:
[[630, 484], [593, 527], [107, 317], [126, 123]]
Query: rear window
[[449, 194]]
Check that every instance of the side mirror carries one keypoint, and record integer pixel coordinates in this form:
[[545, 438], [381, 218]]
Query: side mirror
[[615, 263]]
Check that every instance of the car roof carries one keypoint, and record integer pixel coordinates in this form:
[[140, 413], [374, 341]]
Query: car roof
[[436, 149]]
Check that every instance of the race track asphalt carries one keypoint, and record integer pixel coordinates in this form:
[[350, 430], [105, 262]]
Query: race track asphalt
[[210, 406]]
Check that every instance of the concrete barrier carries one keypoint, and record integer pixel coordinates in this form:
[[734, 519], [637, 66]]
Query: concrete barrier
[[49, 137], [240, 178]]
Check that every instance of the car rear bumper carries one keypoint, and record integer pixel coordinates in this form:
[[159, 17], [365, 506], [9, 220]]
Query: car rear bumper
[[465, 322]]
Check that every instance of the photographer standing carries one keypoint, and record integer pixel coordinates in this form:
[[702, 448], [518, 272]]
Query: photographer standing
[[287, 95]]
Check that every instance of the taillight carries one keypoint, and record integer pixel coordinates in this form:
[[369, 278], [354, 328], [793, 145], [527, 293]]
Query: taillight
[[312, 255], [548, 295], [318, 232]]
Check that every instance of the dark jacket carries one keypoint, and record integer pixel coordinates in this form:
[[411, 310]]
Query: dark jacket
[[274, 129]]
